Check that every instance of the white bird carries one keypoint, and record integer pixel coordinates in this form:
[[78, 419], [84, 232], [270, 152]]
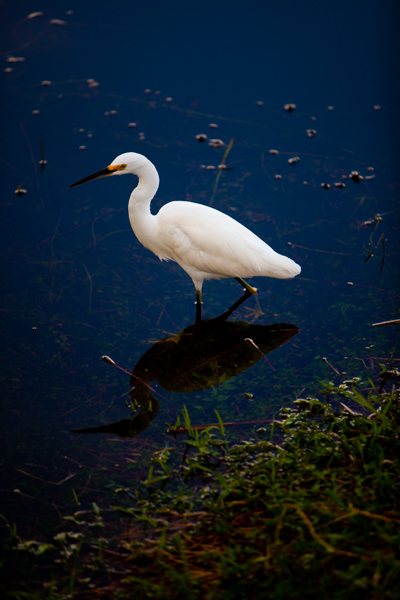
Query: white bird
[[205, 242]]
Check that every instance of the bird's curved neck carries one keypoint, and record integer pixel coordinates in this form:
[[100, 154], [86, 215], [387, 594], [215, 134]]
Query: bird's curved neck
[[140, 216]]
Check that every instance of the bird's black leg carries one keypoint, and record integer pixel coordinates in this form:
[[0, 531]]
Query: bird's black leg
[[198, 307], [248, 287]]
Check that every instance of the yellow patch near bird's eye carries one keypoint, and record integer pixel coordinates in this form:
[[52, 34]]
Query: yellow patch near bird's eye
[[117, 167]]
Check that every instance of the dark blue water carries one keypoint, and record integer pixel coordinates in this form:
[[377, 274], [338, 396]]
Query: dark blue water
[[76, 284]]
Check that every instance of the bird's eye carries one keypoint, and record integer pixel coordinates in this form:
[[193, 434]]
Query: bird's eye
[[122, 167]]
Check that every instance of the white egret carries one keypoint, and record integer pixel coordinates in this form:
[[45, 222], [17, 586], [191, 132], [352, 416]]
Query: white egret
[[206, 243]]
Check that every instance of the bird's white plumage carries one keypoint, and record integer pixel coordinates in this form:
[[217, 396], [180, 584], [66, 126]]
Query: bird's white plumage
[[206, 243]]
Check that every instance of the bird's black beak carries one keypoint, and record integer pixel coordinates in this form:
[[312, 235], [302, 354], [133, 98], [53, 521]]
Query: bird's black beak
[[103, 173]]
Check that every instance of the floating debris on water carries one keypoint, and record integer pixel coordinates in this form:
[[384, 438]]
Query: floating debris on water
[[201, 137], [331, 108], [82, 147], [19, 191], [289, 107], [325, 186], [278, 176], [147, 91], [377, 107], [216, 143], [355, 176], [109, 360], [15, 59], [132, 125], [273, 152], [46, 82], [8, 70], [339, 184], [34, 15], [260, 103], [57, 22], [311, 132], [293, 160], [36, 112], [213, 125], [169, 99]]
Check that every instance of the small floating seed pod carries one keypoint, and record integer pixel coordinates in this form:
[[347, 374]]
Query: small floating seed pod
[[273, 152], [132, 125], [331, 108], [34, 15], [340, 184], [293, 160], [213, 125], [355, 176], [169, 99], [19, 191], [46, 82], [311, 132], [216, 143], [201, 137], [289, 107], [326, 186], [278, 176], [57, 22]]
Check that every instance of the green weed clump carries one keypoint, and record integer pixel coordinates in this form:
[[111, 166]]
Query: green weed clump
[[309, 507]]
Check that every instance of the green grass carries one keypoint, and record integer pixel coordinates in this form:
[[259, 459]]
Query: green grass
[[309, 507]]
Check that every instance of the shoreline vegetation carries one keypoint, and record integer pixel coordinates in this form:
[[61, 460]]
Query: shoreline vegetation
[[308, 506]]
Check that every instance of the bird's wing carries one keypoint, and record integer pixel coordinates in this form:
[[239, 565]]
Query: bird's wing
[[206, 240]]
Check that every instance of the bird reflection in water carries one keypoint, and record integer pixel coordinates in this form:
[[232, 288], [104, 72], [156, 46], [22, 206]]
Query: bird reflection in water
[[195, 359]]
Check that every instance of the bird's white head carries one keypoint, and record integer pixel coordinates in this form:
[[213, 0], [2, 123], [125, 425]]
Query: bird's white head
[[129, 162]]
